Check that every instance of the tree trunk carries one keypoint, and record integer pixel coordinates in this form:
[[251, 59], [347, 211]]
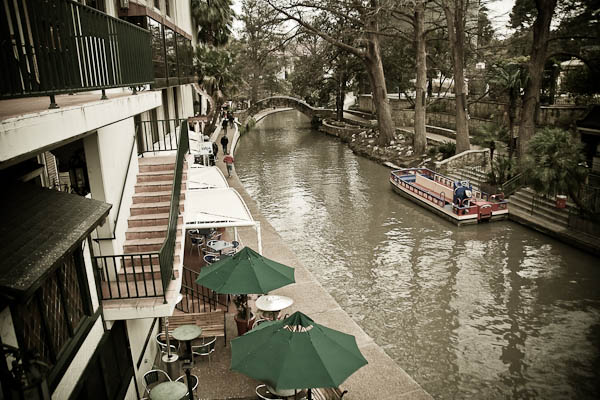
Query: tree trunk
[[512, 111], [341, 95], [378, 88], [420, 138], [454, 11], [541, 32]]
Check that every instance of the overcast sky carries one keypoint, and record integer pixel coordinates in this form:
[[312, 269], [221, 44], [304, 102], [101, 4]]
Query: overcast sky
[[499, 10]]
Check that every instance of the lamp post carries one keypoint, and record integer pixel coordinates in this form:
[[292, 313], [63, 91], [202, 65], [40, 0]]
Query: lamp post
[[187, 333]]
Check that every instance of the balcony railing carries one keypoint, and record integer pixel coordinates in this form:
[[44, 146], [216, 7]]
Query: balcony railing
[[157, 135], [60, 46]]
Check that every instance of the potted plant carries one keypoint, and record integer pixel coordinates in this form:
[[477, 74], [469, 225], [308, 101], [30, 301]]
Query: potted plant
[[243, 318]]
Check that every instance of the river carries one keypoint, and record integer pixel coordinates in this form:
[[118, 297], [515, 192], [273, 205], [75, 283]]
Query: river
[[491, 311]]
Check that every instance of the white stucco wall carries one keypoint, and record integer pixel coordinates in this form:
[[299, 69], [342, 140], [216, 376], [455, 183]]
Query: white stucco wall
[[137, 330], [73, 373], [31, 132]]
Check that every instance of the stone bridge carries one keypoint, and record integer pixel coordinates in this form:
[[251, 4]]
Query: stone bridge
[[314, 113]]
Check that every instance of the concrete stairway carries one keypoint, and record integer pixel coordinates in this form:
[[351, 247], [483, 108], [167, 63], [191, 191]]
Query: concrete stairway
[[140, 275], [473, 175], [526, 204]]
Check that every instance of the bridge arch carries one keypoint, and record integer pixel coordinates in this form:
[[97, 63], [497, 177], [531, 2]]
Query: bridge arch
[[292, 102]]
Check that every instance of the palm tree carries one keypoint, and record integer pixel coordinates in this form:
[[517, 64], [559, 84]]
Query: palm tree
[[554, 164], [213, 20], [510, 78]]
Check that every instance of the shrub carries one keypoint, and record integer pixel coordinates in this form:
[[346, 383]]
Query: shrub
[[448, 149]]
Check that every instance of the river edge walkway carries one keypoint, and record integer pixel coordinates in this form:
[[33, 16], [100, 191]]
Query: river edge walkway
[[382, 378]]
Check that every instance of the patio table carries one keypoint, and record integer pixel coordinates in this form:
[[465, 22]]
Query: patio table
[[272, 305], [168, 391], [219, 245]]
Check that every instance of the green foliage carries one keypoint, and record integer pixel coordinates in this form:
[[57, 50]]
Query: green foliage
[[580, 83], [213, 66], [488, 133], [448, 149], [554, 163], [213, 19], [249, 125], [503, 168], [241, 305]]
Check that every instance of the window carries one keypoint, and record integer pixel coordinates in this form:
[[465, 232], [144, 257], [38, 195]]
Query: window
[[158, 49], [157, 4], [167, 8], [171, 44], [54, 314]]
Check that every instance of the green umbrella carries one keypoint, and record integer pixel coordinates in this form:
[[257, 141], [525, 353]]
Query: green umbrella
[[247, 272], [296, 353]]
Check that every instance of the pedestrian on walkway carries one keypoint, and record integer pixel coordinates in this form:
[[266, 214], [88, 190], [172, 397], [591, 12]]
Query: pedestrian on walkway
[[228, 160], [215, 150], [492, 148], [230, 118], [224, 125], [224, 143]]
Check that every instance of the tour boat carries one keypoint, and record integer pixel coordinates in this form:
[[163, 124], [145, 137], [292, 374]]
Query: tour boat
[[456, 201]]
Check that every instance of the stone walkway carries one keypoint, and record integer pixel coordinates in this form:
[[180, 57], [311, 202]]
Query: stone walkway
[[382, 378]]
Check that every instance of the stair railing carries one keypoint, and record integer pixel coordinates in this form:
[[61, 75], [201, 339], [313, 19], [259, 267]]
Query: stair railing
[[167, 250], [122, 283], [512, 185], [197, 298]]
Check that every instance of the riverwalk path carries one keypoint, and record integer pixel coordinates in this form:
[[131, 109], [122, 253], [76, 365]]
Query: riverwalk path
[[382, 378]]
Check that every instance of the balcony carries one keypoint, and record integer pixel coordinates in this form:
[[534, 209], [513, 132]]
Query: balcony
[[54, 47]]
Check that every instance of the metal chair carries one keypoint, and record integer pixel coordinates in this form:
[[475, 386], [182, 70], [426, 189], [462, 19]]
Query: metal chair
[[216, 235], [210, 259], [153, 377], [259, 321], [196, 241], [206, 348], [235, 244], [194, 379], [162, 345]]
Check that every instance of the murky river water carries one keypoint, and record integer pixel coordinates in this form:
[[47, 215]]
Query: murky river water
[[485, 312]]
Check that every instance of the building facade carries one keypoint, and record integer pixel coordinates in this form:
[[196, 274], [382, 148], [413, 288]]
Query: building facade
[[91, 93]]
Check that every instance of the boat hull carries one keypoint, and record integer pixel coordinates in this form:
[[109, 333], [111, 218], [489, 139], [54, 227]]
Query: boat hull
[[458, 220]]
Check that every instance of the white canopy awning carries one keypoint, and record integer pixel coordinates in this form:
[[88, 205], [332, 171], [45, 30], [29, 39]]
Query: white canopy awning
[[201, 177], [217, 208]]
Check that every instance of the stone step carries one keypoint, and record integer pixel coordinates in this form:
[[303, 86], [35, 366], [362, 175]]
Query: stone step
[[158, 160], [158, 186], [525, 199], [146, 232], [168, 164], [516, 204], [154, 197], [148, 245], [151, 220], [153, 208], [530, 193], [155, 176]]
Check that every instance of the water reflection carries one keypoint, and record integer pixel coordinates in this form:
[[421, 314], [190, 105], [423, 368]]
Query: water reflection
[[490, 311]]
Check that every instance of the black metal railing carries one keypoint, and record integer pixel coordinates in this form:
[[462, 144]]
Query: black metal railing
[[513, 184], [168, 248], [159, 135], [126, 276], [197, 298], [61, 46]]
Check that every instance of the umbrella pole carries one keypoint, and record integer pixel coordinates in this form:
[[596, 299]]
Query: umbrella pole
[[309, 394]]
